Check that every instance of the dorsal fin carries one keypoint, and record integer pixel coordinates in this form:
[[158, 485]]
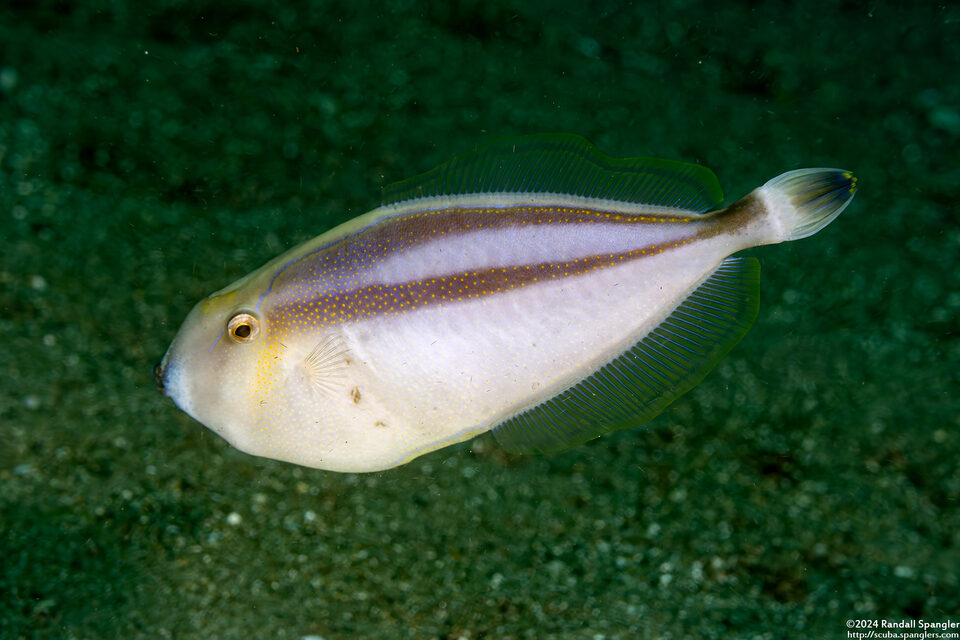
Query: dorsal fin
[[651, 374], [564, 164]]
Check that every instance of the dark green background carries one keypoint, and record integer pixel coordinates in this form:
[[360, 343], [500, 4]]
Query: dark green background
[[151, 156]]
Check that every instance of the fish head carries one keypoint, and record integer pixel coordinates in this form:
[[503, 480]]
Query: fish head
[[213, 369]]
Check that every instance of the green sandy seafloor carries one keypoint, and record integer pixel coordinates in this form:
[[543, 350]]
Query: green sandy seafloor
[[149, 156]]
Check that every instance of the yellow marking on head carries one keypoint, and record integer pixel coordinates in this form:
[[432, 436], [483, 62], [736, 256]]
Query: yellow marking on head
[[217, 302]]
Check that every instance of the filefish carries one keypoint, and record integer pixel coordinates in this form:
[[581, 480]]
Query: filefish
[[534, 287]]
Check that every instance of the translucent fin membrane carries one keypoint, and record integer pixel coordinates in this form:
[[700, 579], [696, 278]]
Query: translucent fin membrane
[[639, 384], [818, 195], [564, 164]]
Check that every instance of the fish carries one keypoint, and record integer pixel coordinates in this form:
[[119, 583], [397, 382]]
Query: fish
[[534, 287]]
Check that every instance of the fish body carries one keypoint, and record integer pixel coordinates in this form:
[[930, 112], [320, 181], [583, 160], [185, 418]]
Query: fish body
[[535, 287]]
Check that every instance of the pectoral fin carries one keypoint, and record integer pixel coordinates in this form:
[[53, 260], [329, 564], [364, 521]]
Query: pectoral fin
[[326, 365]]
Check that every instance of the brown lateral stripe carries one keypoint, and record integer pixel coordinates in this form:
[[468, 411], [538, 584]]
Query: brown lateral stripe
[[411, 229], [336, 263], [373, 300]]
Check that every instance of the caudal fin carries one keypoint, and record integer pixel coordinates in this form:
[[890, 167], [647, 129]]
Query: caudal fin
[[806, 200]]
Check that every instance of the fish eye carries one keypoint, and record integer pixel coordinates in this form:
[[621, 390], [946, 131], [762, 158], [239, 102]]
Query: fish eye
[[243, 327]]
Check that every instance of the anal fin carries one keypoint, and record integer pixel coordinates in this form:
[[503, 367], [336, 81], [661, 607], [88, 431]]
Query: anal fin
[[637, 385]]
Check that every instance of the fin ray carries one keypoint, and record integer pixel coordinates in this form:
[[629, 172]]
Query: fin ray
[[813, 197], [564, 164], [636, 386], [326, 364]]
